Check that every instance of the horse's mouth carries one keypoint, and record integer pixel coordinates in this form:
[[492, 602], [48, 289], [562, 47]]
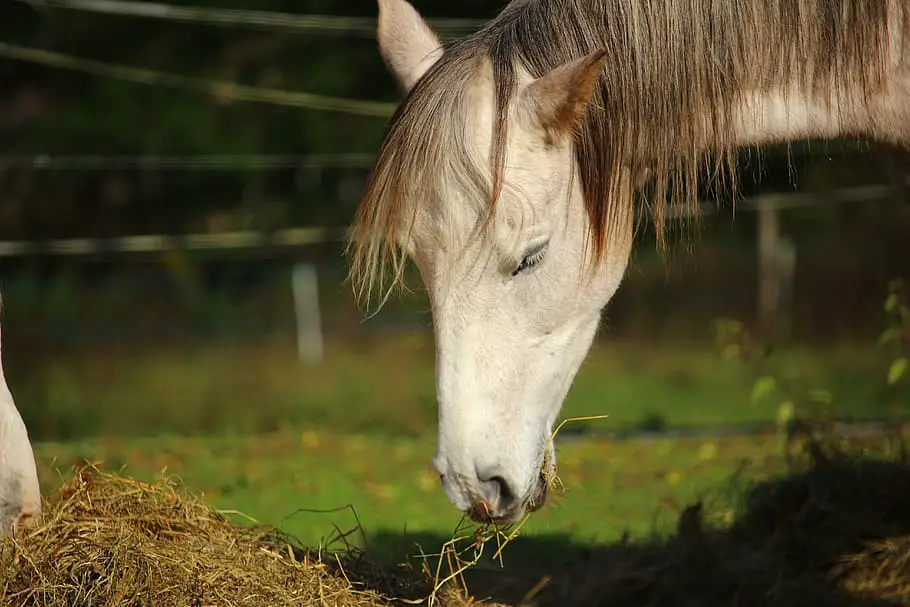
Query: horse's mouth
[[538, 498], [496, 512], [482, 512], [538, 501]]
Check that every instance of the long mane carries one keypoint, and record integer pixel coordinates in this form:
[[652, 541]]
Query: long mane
[[674, 72]]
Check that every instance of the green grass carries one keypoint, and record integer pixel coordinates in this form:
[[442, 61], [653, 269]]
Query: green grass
[[387, 387], [283, 478], [287, 442]]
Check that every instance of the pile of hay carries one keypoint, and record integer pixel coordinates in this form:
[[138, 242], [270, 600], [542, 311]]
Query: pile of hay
[[112, 541]]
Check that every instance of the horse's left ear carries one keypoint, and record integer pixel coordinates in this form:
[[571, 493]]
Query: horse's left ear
[[407, 44], [557, 99]]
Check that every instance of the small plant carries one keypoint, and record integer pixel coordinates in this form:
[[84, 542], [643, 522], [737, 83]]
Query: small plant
[[808, 416], [896, 336], [791, 399]]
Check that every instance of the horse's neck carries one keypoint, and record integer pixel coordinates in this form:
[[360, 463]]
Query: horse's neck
[[788, 113], [779, 115]]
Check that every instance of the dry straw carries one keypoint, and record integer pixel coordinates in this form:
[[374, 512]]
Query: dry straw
[[113, 541], [467, 545]]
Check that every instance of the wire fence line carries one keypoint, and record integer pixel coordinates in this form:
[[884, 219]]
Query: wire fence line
[[222, 162], [792, 200], [158, 243], [194, 162], [309, 236], [215, 88], [317, 24]]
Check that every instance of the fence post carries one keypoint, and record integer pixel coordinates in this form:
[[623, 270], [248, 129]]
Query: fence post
[[305, 286], [786, 267], [768, 276]]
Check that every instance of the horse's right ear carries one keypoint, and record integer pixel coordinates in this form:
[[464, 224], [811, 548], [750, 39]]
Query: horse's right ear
[[557, 99], [407, 44]]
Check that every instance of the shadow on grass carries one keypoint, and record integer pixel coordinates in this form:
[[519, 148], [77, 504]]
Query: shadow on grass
[[836, 534]]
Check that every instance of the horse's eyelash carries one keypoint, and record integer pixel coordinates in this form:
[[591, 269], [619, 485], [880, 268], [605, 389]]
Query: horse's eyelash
[[530, 261]]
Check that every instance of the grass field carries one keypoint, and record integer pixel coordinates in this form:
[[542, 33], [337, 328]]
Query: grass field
[[832, 530], [291, 479], [387, 387], [312, 449]]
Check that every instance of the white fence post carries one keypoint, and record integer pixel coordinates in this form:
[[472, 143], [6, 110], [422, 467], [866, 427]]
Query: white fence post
[[786, 263], [305, 286], [768, 270]]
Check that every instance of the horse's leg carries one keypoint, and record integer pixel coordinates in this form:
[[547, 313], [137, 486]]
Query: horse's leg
[[20, 495]]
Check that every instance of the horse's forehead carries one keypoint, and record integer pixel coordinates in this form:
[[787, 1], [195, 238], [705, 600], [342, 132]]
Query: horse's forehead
[[451, 220], [474, 116], [461, 227]]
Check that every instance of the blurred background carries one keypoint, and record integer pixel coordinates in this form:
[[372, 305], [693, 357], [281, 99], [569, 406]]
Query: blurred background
[[175, 183]]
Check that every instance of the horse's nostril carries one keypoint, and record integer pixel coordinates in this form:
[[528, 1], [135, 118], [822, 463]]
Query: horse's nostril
[[506, 494], [496, 490]]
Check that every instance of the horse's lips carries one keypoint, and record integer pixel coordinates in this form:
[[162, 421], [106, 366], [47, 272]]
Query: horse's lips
[[539, 498], [482, 512]]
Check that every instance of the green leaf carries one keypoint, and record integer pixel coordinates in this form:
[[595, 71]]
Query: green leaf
[[729, 324], [726, 328], [732, 352], [897, 370], [707, 451], [763, 386], [891, 303], [785, 413], [821, 396], [888, 336], [905, 313]]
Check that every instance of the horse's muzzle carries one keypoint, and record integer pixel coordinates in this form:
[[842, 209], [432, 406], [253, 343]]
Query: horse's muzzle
[[482, 511]]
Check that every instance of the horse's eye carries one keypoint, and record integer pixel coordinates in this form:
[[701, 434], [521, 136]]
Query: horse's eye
[[531, 258]]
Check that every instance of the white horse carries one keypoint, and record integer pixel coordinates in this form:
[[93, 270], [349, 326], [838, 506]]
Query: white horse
[[510, 171], [20, 496]]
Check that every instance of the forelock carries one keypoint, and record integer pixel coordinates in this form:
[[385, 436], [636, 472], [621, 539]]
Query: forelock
[[428, 150]]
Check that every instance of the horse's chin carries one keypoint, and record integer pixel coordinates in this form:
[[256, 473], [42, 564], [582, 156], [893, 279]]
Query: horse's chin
[[538, 497], [507, 519]]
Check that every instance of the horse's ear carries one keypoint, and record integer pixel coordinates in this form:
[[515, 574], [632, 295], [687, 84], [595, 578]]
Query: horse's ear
[[407, 44], [557, 99]]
